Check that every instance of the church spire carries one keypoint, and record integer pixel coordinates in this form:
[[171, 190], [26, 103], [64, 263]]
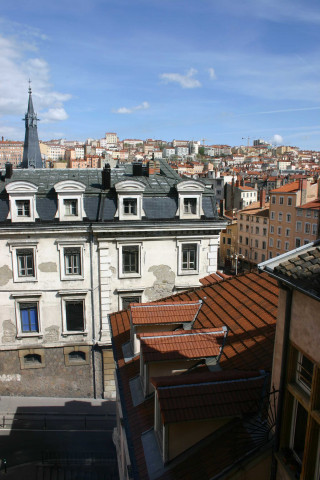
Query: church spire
[[31, 150]]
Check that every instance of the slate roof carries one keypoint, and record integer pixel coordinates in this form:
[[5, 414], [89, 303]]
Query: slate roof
[[247, 305], [301, 268], [164, 312], [160, 197], [209, 396], [181, 344]]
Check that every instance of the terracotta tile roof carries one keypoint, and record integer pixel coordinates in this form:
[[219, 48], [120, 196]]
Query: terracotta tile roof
[[313, 204], [287, 188], [210, 396], [214, 278], [182, 344], [255, 209], [247, 305], [164, 313]]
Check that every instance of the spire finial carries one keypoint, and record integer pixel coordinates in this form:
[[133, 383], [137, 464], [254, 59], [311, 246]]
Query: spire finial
[[30, 91]]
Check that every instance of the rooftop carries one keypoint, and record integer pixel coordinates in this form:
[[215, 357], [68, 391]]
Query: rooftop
[[164, 313]]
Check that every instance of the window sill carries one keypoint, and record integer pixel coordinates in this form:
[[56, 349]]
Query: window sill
[[76, 332], [25, 280], [188, 272], [29, 335], [130, 275], [71, 278], [289, 463]]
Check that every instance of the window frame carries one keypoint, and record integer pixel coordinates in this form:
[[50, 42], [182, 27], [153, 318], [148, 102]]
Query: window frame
[[73, 297], [121, 272], [181, 245], [14, 249], [62, 247], [25, 298]]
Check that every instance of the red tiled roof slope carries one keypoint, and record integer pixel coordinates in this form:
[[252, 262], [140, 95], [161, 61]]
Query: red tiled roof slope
[[214, 278], [247, 305], [162, 312], [181, 344]]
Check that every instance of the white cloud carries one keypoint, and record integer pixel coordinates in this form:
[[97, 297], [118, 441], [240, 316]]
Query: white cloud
[[125, 110], [185, 81], [212, 73], [19, 61], [54, 115], [277, 139]]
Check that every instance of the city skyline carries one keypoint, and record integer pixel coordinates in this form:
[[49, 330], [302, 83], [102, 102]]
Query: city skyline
[[165, 70]]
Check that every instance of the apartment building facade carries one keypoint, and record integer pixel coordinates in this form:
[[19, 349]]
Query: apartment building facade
[[77, 245], [286, 216]]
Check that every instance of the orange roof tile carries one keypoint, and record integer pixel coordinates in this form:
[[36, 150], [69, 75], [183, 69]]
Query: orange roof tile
[[214, 278], [288, 187], [164, 313], [182, 344], [209, 396], [313, 204]]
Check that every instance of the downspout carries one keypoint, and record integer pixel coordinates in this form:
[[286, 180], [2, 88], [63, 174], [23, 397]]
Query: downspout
[[284, 362], [93, 319]]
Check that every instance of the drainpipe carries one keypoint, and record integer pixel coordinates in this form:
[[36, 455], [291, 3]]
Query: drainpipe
[[284, 362], [93, 318]]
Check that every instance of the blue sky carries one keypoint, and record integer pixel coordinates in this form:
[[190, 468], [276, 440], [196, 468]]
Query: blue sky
[[220, 70]]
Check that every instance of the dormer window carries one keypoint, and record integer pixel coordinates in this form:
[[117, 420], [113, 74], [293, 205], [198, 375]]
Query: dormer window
[[130, 194], [70, 207], [23, 208], [70, 200], [130, 206], [190, 199], [22, 201]]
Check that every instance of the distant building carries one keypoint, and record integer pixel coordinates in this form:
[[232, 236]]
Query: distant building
[[12, 152]]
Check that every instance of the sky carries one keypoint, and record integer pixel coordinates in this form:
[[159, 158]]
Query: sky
[[220, 71]]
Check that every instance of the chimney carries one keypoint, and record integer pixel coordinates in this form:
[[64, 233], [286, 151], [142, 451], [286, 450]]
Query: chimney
[[221, 208], [318, 182], [237, 183], [151, 169], [106, 177], [262, 198], [137, 169], [8, 170], [303, 190]]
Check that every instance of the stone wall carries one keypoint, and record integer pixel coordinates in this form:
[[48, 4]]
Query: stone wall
[[54, 378]]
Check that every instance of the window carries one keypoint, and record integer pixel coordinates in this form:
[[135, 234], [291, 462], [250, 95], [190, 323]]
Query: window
[[241, 226], [286, 246], [189, 256], [25, 263], [287, 232], [224, 240], [72, 261], [255, 255], [29, 317], [241, 216], [273, 199], [264, 245], [307, 228], [280, 216], [256, 244], [126, 300], [240, 250], [270, 242], [298, 226], [298, 242], [240, 239], [130, 206], [263, 257], [279, 230], [308, 213], [31, 358], [314, 229], [315, 214], [304, 372], [247, 241], [265, 221], [190, 205], [70, 207], [130, 259], [278, 243], [273, 215], [288, 218], [23, 208], [76, 355], [289, 201], [271, 229], [257, 220], [264, 232], [280, 200], [74, 315], [298, 430], [247, 228], [299, 212], [257, 230]]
